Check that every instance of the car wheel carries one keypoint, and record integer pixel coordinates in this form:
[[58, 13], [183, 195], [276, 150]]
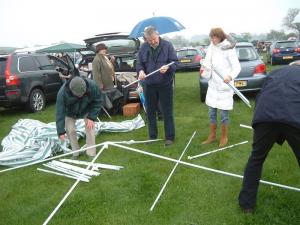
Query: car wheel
[[37, 100], [202, 97]]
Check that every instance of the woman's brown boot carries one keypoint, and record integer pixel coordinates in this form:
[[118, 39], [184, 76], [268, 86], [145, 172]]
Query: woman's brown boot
[[212, 134], [224, 135]]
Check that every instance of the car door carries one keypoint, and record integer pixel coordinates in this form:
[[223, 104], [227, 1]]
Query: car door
[[29, 74], [51, 79]]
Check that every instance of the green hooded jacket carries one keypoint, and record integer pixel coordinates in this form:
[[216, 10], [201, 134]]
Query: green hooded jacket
[[67, 104]]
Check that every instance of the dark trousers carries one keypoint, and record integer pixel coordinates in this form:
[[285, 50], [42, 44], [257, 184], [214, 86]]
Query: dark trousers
[[163, 94], [265, 135]]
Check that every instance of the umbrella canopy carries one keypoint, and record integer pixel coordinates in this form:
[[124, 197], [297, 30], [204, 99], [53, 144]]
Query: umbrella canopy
[[65, 47], [162, 24]]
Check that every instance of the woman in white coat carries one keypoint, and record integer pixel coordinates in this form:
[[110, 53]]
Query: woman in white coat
[[219, 95]]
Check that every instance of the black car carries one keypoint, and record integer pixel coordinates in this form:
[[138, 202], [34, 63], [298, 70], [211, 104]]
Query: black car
[[31, 79], [189, 58], [124, 49]]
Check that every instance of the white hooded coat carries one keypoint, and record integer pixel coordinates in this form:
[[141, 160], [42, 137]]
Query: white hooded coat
[[219, 95]]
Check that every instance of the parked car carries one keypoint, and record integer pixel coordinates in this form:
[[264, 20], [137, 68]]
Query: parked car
[[189, 58], [31, 79], [124, 49], [253, 71], [283, 52]]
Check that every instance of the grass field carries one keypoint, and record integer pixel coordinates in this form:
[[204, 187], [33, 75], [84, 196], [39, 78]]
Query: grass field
[[192, 196]]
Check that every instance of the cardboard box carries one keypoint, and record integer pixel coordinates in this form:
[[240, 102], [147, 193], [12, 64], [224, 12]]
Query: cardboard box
[[131, 109]]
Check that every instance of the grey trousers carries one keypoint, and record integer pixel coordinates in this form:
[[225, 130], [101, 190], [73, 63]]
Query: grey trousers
[[71, 132]]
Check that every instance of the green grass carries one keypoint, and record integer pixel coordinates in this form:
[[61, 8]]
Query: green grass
[[192, 196]]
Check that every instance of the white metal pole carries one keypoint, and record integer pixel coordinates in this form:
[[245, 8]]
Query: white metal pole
[[136, 142], [244, 99], [63, 174], [51, 158], [245, 126], [97, 165], [75, 168], [102, 107], [217, 150], [165, 184], [148, 75], [66, 171], [73, 187], [200, 167]]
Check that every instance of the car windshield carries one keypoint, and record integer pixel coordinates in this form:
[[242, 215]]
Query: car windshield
[[186, 53], [246, 53], [290, 44]]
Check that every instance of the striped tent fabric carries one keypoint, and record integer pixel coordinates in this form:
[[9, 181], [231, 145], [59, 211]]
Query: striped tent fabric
[[32, 140]]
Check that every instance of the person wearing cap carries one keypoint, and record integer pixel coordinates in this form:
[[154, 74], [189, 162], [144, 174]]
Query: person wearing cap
[[103, 68], [78, 98], [276, 119], [155, 54]]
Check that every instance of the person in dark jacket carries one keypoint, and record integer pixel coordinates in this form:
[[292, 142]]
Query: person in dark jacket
[[276, 119], [78, 98], [155, 54]]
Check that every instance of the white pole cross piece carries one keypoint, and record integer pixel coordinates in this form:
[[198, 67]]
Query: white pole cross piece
[[165, 184], [217, 150], [73, 187], [201, 167]]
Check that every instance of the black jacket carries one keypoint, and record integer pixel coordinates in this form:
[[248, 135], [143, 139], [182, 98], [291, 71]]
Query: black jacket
[[279, 98]]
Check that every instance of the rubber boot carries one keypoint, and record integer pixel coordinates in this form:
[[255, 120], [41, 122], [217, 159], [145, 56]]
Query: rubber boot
[[224, 135], [212, 134]]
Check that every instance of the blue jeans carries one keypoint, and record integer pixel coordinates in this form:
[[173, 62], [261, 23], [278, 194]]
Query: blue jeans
[[212, 112], [163, 95]]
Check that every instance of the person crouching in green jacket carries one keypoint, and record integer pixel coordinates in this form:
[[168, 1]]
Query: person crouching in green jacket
[[78, 98]]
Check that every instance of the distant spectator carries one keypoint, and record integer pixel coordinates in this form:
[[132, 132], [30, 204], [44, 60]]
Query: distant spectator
[[103, 68]]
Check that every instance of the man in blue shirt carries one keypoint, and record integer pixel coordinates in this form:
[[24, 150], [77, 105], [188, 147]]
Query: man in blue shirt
[[155, 54]]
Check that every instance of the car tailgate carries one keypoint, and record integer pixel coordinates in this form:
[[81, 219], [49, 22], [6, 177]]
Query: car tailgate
[[2, 76], [247, 68]]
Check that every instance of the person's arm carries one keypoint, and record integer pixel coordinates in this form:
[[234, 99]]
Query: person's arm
[[205, 70], [60, 112], [235, 66], [97, 76], [140, 67]]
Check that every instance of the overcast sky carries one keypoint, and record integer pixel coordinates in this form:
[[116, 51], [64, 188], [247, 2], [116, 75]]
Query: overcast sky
[[32, 22]]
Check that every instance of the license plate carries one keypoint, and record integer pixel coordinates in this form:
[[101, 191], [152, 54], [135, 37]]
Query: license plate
[[287, 57], [185, 60], [240, 83]]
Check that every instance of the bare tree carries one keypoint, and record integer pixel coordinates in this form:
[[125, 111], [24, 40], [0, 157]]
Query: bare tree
[[289, 22]]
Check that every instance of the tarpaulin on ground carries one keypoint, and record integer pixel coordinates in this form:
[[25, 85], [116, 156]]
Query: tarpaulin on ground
[[32, 140]]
